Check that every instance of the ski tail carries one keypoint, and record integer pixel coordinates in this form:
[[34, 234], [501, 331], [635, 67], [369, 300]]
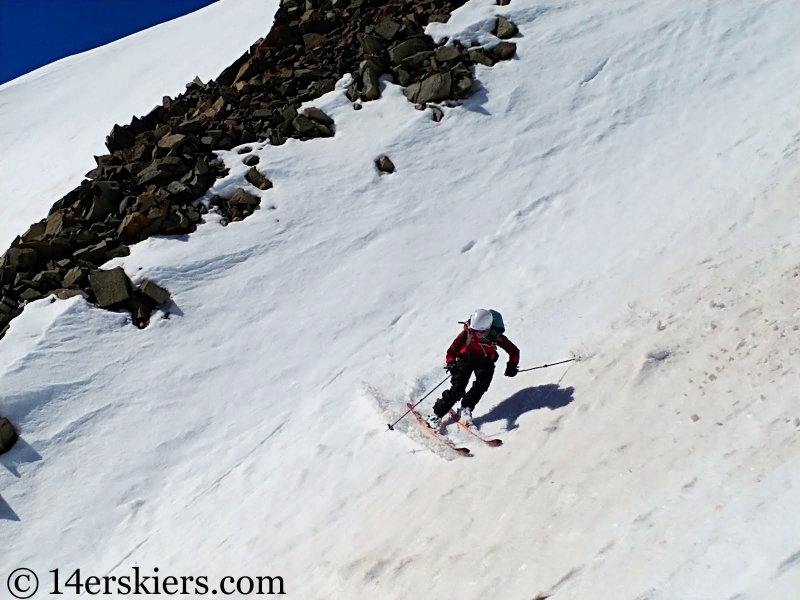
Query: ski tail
[[441, 438], [493, 442]]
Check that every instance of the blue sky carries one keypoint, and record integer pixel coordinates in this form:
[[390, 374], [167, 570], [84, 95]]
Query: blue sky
[[34, 33]]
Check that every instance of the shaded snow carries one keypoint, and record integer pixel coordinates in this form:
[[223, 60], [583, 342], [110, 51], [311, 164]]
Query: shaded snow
[[626, 186]]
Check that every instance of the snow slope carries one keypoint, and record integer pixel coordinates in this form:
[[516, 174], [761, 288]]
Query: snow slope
[[626, 185]]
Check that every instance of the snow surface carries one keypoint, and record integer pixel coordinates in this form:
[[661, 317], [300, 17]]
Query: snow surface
[[625, 189]]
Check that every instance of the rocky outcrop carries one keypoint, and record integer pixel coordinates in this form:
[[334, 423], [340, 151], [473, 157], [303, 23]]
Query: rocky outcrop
[[162, 163], [8, 435]]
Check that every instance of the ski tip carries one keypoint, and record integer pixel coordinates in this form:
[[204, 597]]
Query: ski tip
[[494, 443], [463, 451]]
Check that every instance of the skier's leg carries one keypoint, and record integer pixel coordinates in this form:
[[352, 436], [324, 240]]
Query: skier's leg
[[449, 397], [483, 377]]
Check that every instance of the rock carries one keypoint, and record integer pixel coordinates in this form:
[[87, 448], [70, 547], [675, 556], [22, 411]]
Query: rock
[[36, 232], [695, 418], [302, 124], [73, 277], [403, 50], [317, 115], [55, 223], [433, 89], [252, 160], [119, 139], [417, 61], [438, 18], [255, 177], [172, 142], [66, 294], [141, 307], [8, 435], [503, 2], [505, 29], [313, 40], [438, 115], [243, 198], [29, 295], [504, 51], [658, 355], [369, 80], [478, 56], [387, 28], [155, 292], [110, 287], [385, 165], [372, 45], [21, 258], [446, 53]]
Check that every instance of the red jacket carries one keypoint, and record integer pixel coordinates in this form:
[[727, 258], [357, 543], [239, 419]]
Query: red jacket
[[470, 346]]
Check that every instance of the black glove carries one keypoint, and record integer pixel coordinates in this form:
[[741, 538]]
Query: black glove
[[454, 368], [511, 369]]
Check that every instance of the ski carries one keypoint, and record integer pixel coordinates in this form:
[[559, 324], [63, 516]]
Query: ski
[[443, 439], [493, 442]]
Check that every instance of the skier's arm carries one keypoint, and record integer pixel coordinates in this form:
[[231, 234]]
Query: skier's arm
[[455, 347], [513, 351]]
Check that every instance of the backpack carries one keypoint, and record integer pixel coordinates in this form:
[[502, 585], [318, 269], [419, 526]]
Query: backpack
[[498, 328]]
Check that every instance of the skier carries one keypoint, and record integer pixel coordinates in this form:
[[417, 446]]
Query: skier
[[473, 351]]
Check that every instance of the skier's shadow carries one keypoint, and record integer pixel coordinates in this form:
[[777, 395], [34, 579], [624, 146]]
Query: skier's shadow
[[550, 396]]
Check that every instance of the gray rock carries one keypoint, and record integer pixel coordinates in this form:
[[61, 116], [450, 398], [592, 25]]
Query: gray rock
[[36, 232], [252, 160], [403, 50], [438, 18], [433, 89], [416, 61], [317, 115], [73, 276], [478, 56], [243, 198], [659, 355], [503, 2], [445, 53], [313, 40], [29, 295], [504, 51], [55, 223], [172, 142], [22, 258], [369, 79], [155, 292], [110, 287], [505, 29], [8, 435], [385, 165], [403, 76], [255, 177], [387, 28], [462, 86], [302, 124], [371, 44]]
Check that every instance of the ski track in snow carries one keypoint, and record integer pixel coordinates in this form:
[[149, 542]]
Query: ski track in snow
[[624, 188]]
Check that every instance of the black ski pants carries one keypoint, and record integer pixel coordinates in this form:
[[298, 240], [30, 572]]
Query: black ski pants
[[484, 371]]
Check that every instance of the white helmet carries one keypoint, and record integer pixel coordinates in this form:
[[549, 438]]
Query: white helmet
[[480, 320]]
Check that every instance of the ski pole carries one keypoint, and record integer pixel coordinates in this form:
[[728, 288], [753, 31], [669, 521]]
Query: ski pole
[[391, 425], [545, 366]]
